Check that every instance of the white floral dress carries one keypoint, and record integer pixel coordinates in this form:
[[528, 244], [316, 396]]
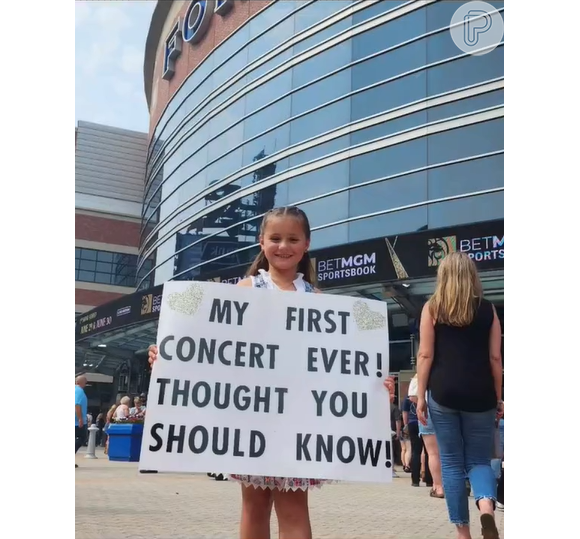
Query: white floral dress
[[263, 280]]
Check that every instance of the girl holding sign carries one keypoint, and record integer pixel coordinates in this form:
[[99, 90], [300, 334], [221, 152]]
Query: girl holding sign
[[282, 264]]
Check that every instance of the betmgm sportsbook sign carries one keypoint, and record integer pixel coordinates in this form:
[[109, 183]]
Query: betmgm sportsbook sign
[[191, 29]]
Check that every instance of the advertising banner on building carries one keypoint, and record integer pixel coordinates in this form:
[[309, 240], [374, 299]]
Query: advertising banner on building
[[380, 260], [259, 382], [409, 256], [129, 309]]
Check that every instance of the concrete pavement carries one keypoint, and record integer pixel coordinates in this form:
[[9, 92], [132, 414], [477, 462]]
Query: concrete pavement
[[114, 501]]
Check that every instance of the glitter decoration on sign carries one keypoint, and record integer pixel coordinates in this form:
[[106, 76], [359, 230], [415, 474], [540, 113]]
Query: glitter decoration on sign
[[365, 318], [186, 302]]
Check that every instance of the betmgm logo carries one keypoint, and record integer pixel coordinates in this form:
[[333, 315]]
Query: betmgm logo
[[439, 248], [476, 28], [147, 304], [150, 304]]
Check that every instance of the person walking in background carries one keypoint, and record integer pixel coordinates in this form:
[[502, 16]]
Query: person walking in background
[[411, 423], [459, 362], [429, 441], [101, 425], [81, 404], [109, 419], [395, 433]]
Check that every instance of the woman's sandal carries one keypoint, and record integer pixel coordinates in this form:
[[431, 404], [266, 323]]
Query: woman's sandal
[[434, 494], [488, 527]]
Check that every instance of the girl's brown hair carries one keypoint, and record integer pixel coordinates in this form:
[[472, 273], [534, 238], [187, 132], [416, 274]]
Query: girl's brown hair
[[458, 292], [305, 264]]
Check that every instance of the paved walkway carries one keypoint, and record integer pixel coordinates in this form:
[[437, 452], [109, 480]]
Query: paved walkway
[[114, 501]]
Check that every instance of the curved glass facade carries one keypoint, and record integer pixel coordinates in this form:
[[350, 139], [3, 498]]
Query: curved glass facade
[[364, 113]]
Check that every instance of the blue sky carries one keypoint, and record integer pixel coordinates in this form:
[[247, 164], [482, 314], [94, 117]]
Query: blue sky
[[68, 61], [109, 45]]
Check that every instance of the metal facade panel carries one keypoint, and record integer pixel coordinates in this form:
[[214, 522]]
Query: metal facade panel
[[110, 162]]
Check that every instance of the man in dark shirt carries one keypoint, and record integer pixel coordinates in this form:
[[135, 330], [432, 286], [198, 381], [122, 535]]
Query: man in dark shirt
[[396, 435], [412, 423]]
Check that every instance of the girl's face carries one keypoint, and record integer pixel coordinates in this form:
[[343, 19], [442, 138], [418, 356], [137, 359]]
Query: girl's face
[[284, 242]]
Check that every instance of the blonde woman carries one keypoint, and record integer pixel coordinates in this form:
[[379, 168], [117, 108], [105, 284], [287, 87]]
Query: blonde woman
[[459, 363], [122, 411]]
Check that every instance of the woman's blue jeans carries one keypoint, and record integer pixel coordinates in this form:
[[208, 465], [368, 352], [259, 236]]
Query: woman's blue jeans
[[466, 445]]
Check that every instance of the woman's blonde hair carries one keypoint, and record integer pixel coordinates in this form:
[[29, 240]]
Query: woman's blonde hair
[[126, 400], [458, 292]]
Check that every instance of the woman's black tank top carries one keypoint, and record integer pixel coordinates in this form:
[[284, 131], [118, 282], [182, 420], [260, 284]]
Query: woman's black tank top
[[461, 376]]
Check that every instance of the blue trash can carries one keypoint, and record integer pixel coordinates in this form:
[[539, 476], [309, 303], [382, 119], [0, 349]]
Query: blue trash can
[[125, 441]]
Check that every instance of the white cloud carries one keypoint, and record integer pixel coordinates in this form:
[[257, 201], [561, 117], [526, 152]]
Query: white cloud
[[123, 88], [109, 43], [113, 17], [132, 60], [98, 54], [101, 30], [83, 12]]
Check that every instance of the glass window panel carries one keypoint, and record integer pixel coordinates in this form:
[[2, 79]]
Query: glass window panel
[[439, 14], [88, 254], [77, 253], [273, 115], [392, 160], [104, 256], [269, 18], [267, 92], [268, 66], [515, 205], [507, 170], [493, 135], [283, 29], [88, 265], [104, 278], [321, 150], [391, 127], [226, 119], [327, 210], [324, 62], [318, 182], [322, 92], [105, 267], [316, 12], [389, 194], [389, 224], [321, 121], [464, 106], [376, 9], [392, 193], [77, 263], [389, 95], [466, 141], [328, 237], [266, 145], [389, 34], [389, 64], [86, 276]]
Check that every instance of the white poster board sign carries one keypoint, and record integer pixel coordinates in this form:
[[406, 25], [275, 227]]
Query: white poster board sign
[[262, 382]]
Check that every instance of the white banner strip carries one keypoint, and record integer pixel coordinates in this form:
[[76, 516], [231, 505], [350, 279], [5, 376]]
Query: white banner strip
[[541, 33]]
